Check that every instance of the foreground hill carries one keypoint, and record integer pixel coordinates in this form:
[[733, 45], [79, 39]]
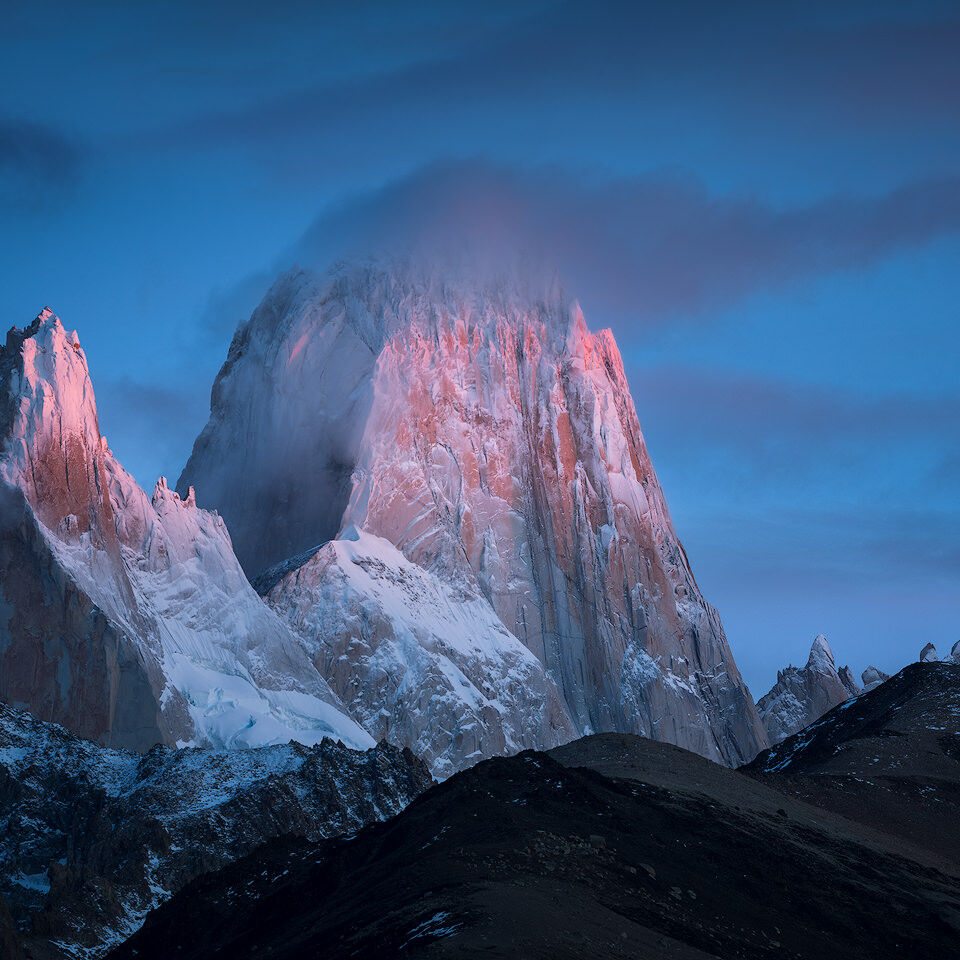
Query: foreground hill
[[614, 846]]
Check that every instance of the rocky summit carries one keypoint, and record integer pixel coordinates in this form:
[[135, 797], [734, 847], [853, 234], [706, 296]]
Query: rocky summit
[[803, 694], [128, 619]]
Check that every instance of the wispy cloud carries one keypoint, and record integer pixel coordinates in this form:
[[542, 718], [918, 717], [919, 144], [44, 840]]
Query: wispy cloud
[[38, 166], [646, 247], [837, 63], [151, 425]]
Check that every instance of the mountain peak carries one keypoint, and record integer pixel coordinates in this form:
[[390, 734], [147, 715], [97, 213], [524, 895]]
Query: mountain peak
[[872, 677], [130, 619], [821, 654], [474, 422], [801, 695]]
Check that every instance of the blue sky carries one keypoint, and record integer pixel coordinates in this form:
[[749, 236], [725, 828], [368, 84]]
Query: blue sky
[[762, 200]]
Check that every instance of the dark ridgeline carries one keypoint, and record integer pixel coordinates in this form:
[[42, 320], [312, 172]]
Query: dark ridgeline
[[619, 846]]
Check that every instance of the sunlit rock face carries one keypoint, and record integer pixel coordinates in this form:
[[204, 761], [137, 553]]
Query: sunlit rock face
[[127, 618], [493, 440], [802, 695]]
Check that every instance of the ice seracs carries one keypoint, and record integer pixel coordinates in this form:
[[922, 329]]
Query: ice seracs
[[483, 431], [127, 619], [803, 694]]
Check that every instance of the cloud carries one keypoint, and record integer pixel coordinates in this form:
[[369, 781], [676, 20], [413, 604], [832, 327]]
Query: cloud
[[648, 247], [720, 438], [863, 66], [38, 166]]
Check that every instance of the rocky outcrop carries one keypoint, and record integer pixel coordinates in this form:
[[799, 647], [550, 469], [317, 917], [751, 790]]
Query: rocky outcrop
[[872, 677], [802, 695], [418, 659], [486, 433], [92, 838], [124, 617], [955, 652], [929, 654]]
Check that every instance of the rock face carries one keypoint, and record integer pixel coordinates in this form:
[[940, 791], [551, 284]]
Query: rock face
[[93, 838], [955, 652], [872, 677], [439, 671], [929, 654], [491, 438], [127, 618], [803, 694]]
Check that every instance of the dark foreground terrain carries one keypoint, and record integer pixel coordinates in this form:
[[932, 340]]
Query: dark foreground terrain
[[616, 846], [91, 839], [890, 758]]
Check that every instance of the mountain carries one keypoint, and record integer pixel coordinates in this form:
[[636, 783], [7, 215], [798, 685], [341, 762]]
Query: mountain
[[802, 694], [490, 437], [94, 838], [873, 677], [127, 618], [440, 673], [889, 757], [612, 846]]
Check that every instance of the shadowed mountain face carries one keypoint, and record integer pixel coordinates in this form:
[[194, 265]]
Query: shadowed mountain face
[[804, 694], [91, 839], [613, 846]]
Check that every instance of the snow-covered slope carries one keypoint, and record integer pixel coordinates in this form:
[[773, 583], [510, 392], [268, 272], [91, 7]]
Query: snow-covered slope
[[488, 435], [417, 659], [94, 838], [802, 695], [128, 618]]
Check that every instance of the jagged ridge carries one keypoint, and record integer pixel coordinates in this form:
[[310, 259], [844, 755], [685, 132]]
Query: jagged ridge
[[129, 619]]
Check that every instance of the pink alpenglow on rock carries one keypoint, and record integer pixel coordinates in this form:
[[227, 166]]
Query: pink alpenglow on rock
[[487, 435], [128, 619]]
